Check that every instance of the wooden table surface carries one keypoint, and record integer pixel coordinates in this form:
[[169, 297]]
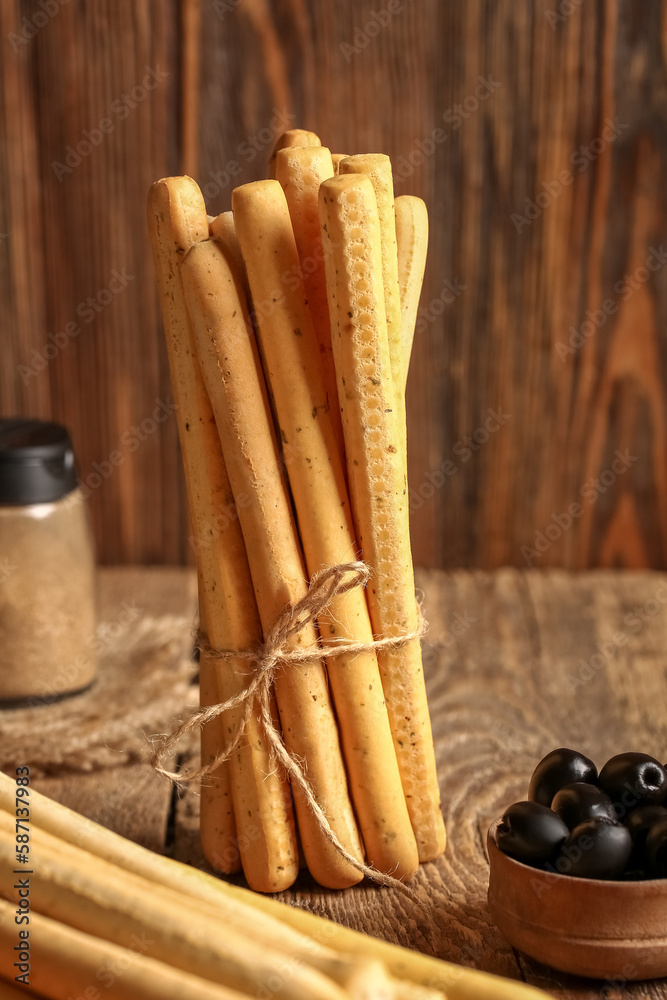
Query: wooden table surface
[[517, 663]]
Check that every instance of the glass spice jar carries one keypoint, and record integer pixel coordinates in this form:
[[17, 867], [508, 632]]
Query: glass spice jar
[[47, 566]]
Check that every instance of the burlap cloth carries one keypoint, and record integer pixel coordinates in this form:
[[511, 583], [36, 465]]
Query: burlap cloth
[[142, 684]]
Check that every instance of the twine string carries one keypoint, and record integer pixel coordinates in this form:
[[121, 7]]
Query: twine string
[[256, 697]]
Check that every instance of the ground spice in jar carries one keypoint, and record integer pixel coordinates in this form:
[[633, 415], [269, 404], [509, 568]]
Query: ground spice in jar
[[47, 570]]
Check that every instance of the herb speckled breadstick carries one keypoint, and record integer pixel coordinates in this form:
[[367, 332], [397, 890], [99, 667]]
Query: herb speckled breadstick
[[231, 368], [300, 170], [293, 137], [177, 219], [377, 166], [351, 240], [266, 839], [412, 243], [317, 477], [222, 228]]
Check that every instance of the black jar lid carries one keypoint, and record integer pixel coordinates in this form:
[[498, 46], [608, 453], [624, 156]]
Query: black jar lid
[[36, 462]]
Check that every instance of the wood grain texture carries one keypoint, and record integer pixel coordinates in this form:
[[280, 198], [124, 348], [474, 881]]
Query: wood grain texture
[[517, 663], [546, 195], [514, 669]]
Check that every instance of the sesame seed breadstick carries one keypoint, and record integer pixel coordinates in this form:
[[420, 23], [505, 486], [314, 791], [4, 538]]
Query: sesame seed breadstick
[[351, 239], [231, 368], [300, 170], [377, 166], [412, 244], [266, 840], [317, 476], [293, 137]]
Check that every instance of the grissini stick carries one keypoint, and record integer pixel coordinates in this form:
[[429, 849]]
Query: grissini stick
[[317, 477], [459, 983], [266, 839], [300, 170], [64, 963], [351, 239], [222, 228], [336, 158], [361, 977], [412, 244], [177, 219], [377, 166], [232, 371], [293, 137], [119, 857], [88, 895]]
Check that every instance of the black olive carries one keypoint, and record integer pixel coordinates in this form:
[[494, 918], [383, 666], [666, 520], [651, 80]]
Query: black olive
[[580, 801], [559, 768], [530, 832], [595, 849], [656, 849], [640, 821], [632, 780]]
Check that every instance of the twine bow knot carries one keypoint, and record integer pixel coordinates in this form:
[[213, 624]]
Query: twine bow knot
[[276, 651]]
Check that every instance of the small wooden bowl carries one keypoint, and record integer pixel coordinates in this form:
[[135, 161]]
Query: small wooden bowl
[[606, 930]]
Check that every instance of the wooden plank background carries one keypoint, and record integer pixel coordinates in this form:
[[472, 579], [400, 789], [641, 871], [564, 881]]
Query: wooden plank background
[[546, 296]]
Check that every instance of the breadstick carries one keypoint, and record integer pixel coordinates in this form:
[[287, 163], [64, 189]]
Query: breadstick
[[412, 243], [357, 975], [177, 219], [300, 170], [222, 228], [92, 896], [231, 369], [65, 963], [351, 240], [336, 158], [273, 917], [377, 166], [293, 137], [317, 477], [266, 839]]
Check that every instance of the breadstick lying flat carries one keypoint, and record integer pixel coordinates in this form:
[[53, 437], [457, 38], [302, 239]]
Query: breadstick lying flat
[[335, 159], [300, 170], [266, 840], [93, 896], [66, 962], [317, 477], [293, 137], [377, 166], [232, 371], [412, 244], [351, 239], [272, 919]]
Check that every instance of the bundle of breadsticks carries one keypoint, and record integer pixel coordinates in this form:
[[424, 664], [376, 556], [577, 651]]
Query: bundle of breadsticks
[[289, 324], [108, 917]]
